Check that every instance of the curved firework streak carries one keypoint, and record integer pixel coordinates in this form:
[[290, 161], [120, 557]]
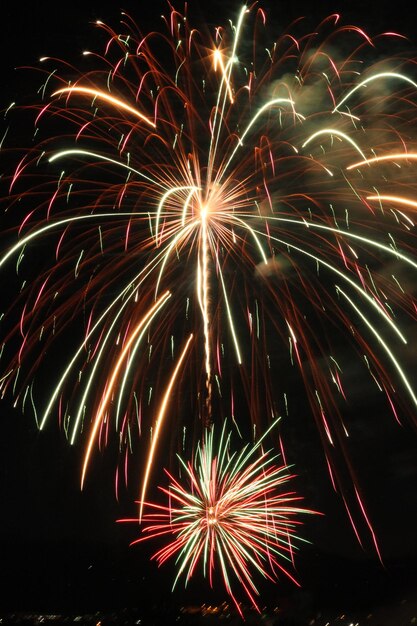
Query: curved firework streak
[[230, 512], [249, 199]]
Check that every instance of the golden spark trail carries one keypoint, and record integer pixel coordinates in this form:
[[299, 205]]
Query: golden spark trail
[[397, 199], [203, 287], [218, 61], [406, 156], [158, 424], [96, 93], [103, 404]]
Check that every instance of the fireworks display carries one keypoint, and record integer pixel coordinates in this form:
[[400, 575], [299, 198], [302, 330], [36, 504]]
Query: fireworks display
[[233, 515], [205, 216]]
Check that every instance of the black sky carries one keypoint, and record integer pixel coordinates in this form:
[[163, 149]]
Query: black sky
[[60, 548]]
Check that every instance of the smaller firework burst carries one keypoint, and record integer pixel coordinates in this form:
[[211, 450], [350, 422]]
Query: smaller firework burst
[[231, 513]]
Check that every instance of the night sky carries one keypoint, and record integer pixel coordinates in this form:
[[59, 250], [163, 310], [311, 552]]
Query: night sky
[[60, 548]]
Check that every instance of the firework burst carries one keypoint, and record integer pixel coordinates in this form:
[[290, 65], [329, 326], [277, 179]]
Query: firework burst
[[203, 204], [231, 512]]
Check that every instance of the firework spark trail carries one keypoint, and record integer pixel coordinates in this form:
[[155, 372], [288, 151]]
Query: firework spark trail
[[103, 407], [264, 190], [160, 418], [231, 511]]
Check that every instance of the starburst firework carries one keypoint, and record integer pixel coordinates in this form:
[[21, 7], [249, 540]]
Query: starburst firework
[[230, 512]]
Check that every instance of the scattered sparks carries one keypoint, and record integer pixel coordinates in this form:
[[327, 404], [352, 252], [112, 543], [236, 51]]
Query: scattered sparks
[[259, 199]]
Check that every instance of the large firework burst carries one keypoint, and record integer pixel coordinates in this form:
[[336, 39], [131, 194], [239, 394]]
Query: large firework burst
[[191, 205], [231, 512]]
